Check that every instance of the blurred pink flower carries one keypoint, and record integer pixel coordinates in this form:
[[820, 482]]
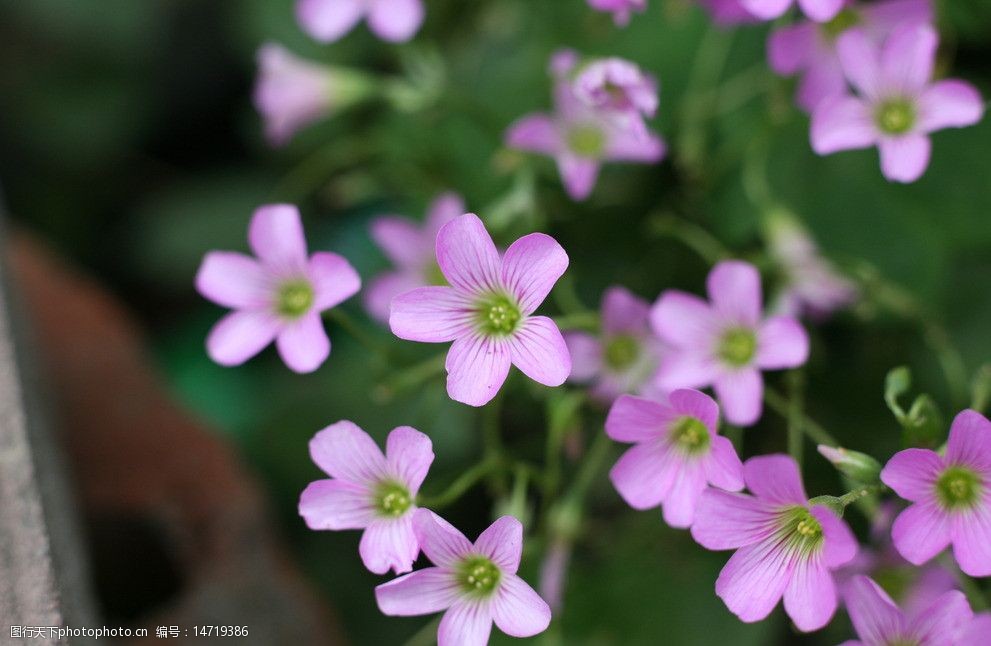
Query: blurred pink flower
[[476, 584], [726, 342], [487, 310], [728, 12], [785, 546], [976, 632], [620, 9], [411, 248], [897, 106], [329, 20], [290, 93], [278, 296], [818, 10], [620, 90], [369, 491]]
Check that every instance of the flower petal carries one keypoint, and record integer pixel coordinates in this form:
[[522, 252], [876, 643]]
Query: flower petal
[[579, 175], [775, 478], [921, 532], [444, 208], [586, 356], [810, 598], [905, 159], [385, 287], [401, 240], [839, 544], [630, 145], [530, 268], [945, 620], [623, 312], [276, 236], [972, 539], [303, 344], [389, 543], [723, 468], [643, 475], [418, 593], [536, 133], [821, 10], [908, 56], [861, 62], [234, 280], [970, 441], [726, 521], [241, 335], [781, 343], [334, 280], [431, 315], [975, 633], [823, 80], [912, 473], [518, 610], [476, 367], [792, 48], [686, 369], [440, 541], [949, 104], [638, 419], [395, 20], [682, 499], [502, 542], [539, 351], [346, 452], [409, 454], [466, 623], [328, 20], [741, 395], [753, 580], [686, 401], [842, 123], [683, 320], [766, 9], [467, 256], [874, 615], [734, 289], [336, 504]]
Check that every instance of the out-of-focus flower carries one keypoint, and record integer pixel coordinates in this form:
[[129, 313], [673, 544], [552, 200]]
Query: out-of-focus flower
[[554, 572], [898, 106], [809, 48], [879, 622], [391, 20], [369, 491], [626, 355], [618, 89], [785, 546], [726, 342], [410, 247], [476, 584], [728, 12], [677, 453], [488, 310], [581, 136], [620, 9], [278, 296], [812, 286], [818, 10], [951, 496], [977, 631]]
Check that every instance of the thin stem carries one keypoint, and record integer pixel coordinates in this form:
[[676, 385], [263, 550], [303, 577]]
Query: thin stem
[[795, 413], [703, 243], [344, 320], [851, 497], [815, 432], [460, 486], [414, 375], [591, 466], [493, 448]]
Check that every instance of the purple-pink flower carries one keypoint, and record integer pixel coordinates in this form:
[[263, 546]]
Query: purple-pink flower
[[809, 48], [487, 310], [580, 135], [951, 496], [369, 491], [726, 342], [476, 584], [391, 20], [278, 296], [677, 453], [818, 10], [977, 631], [897, 105], [410, 247], [290, 92], [625, 357], [618, 89], [728, 12], [785, 546], [620, 9], [879, 622]]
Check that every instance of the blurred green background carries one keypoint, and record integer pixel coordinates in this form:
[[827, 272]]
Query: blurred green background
[[129, 142]]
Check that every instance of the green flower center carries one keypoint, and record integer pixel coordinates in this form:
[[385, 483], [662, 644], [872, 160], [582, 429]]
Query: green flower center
[[844, 20], [802, 530], [895, 116], [478, 575], [958, 488], [621, 351], [498, 315], [587, 141], [392, 499], [294, 299], [737, 347], [690, 434]]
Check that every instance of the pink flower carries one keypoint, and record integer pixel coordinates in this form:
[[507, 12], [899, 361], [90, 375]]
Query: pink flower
[[726, 342], [879, 622], [369, 491], [818, 10], [728, 12], [278, 296], [618, 89], [809, 47], [329, 20], [620, 9], [411, 249], [581, 137], [951, 496], [977, 631], [476, 584], [676, 455], [626, 355], [785, 547], [290, 93], [488, 310], [898, 106]]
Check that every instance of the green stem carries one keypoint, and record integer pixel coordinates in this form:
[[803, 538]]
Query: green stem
[[795, 413], [851, 497], [460, 486], [344, 320], [591, 466], [815, 432], [703, 243], [493, 448], [414, 375]]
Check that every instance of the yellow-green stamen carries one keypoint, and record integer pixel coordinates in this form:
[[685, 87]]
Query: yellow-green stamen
[[294, 298]]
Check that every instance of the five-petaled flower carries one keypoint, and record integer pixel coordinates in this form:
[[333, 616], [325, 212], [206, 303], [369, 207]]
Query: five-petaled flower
[[475, 583], [676, 454], [785, 546], [726, 343], [329, 20], [620, 9], [487, 310], [951, 496], [410, 247], [618, 89], [279, 295], [369, 491], [898, 106], [879, 622], [291, 93]]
